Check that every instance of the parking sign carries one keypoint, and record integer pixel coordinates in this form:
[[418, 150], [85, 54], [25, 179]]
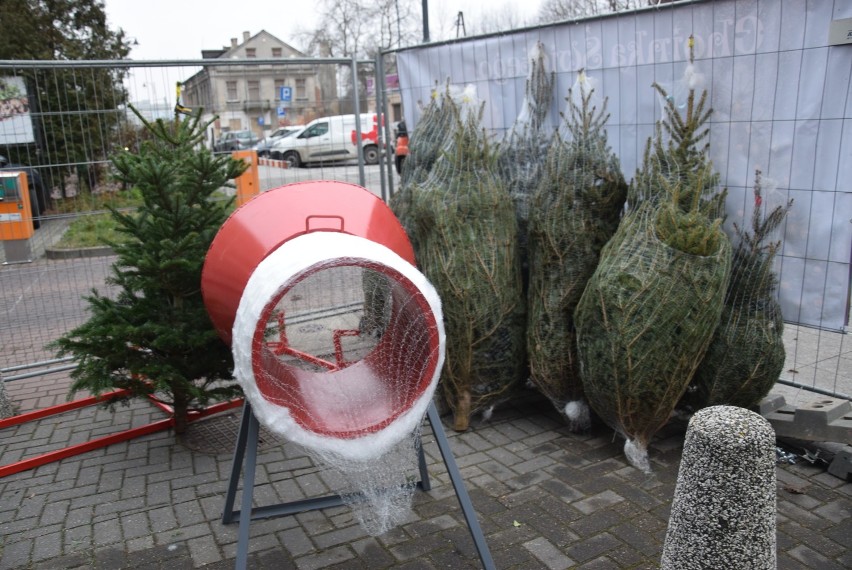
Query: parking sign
[[286, 94]]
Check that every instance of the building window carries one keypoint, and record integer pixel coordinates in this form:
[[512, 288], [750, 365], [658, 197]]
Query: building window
[[251, 52], [254, 90], [276, 52], [301, 89], [232, 90]]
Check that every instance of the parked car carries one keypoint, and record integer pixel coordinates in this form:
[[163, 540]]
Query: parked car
[[330, 139], [264, 147], [235, 140], [37, 190]]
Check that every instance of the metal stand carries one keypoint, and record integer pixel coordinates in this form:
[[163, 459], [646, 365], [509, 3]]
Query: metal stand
[[246, 450]]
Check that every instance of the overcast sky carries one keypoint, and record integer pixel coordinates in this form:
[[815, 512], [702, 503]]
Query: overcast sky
[[180, 29]]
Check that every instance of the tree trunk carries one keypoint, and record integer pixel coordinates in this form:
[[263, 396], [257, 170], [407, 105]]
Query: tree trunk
[[181, 412]]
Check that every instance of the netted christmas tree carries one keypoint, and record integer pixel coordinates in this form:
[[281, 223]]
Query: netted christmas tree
[[522, 155], [154, 337], [650, 310], [747, 354], [425, 143], [574, 211], [429, 136], [466, 234]]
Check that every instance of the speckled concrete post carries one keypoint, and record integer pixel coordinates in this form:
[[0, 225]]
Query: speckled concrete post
[[6, 408], [723, 512]]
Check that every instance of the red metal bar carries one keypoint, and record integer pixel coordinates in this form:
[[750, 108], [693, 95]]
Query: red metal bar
[[338, 344], [279, 350], [60, 408], [73, 450]]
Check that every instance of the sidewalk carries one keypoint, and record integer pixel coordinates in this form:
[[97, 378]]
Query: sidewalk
[[545, 498]]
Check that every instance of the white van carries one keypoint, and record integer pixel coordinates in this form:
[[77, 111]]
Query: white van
[[330, 139]]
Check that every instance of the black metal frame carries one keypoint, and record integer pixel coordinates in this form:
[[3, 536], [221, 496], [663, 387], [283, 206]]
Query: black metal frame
[[245, 455]]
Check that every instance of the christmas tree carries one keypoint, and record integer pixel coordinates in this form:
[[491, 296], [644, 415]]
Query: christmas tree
[[467, 246], [154, 337], [747, 354], [574, 211], [649, 311]]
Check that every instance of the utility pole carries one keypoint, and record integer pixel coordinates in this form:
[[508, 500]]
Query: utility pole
[[425, 21], [460, 24]]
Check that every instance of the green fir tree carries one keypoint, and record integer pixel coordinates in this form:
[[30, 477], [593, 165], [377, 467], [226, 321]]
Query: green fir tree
[[153, 337]]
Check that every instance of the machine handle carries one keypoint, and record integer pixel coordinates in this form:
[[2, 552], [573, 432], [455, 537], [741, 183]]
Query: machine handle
[[309, 229]]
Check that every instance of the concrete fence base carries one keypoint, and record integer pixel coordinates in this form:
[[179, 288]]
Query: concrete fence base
[[723, 512]]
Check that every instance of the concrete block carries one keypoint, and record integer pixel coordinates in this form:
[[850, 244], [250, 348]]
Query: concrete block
[[821, 419], [841, 465], [823, 411], [769, 404]]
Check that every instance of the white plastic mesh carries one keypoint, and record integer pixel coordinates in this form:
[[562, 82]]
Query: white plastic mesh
[[338, 344]]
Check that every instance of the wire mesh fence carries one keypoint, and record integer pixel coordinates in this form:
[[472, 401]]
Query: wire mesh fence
[[65, 122], [62, 122]]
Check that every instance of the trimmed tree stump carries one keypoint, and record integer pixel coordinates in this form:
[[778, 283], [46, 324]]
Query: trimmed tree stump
[[723, 512]]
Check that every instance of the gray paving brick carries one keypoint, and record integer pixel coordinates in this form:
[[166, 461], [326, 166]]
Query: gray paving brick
[[598, 501], [16, 554], [142, 543], [93, 498], [546, 553], [204, 550], [332, 556], [296, 541], [162, 519], [105, 533], [188, 513], [593, 547], [47, 546], [55, 512], [812, 559], [134, 526]]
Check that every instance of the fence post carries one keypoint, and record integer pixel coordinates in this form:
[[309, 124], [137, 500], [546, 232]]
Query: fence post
[[723, 512]]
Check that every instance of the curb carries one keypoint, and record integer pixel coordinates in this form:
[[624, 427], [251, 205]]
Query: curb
[[272, 162], [98, 251]]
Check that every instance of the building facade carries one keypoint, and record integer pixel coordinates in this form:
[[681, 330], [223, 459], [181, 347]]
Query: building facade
[[263, 94]]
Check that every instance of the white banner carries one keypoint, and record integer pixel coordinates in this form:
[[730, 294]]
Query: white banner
[[16, 125], [781, 102]]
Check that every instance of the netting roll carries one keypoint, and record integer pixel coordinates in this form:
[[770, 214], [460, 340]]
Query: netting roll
[[338, 340]]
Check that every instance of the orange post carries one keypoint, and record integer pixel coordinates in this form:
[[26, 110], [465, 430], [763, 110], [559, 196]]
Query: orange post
[[248, 185], [16, 218]]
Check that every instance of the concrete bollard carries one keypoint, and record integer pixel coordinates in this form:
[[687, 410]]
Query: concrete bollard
[[7, 410], [723, 512]]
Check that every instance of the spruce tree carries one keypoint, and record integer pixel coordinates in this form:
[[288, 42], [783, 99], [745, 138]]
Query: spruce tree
[[154, 337], [649, 311], [747, 354]]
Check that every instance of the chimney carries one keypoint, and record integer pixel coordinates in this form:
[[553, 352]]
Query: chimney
[[233, 42], [246, 36]]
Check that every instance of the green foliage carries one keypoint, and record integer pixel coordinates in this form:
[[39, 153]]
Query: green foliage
[[523, 153], [91, 231], [574, 211], [154, 336], [643, 323], [747, 354], [675, 163], [467, 246], [650, 310], [68, 30]]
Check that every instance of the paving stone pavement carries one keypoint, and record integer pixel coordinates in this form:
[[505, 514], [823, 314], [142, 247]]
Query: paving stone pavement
[[545, 498]]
